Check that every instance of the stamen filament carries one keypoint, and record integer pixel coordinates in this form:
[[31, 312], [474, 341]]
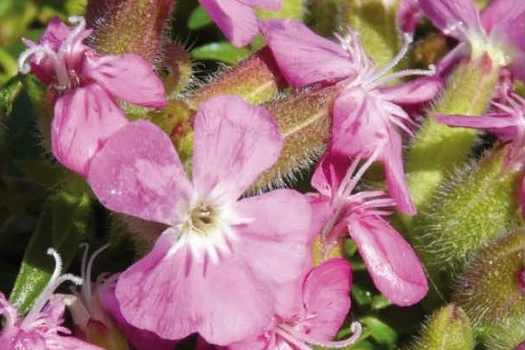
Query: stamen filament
[[405, 44], [299, 336], [53, 283]]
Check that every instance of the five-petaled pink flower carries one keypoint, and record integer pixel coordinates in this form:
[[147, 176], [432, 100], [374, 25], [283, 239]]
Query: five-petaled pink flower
[[220, 257], [391, 262], [236, 18], [365, 116], [42, 327], [499, 30], [508, 124], [88, 85], [310, 314]]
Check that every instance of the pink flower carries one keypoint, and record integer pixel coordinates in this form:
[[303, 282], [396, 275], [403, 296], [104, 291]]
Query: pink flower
[[236, 18], [391, 262], [41, 328], [508, 124], [221, 257], [365, 116], [87, 84], [499, 30], [313, 315]]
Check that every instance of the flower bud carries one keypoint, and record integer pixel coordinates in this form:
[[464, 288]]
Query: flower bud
[[470, 209], [437, 149], [448, 328], [491, 290]]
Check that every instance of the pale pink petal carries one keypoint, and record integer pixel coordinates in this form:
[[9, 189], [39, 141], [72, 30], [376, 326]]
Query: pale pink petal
[[276, 242], [303, 56], [393, 265], [129, 77], [272, 5], [139, 173], [236, 20], [456, 18], [499, 12], [234, 143], [504, 125], [83, 119], [326, 294], [392, 157], [140, 339], [360, 125], [60, 342], [169, 294], [416, 91]]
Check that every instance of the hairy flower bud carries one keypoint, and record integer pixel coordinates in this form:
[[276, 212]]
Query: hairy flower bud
[[448, 328], [491, 290]]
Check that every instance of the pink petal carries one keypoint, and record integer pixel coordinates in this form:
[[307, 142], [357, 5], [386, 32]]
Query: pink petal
[[326, 295], [303, 56], [128, 77], [236, 20], [60, 342], [139, 173], [276, 243], [416, 91], [522, 197], [456, 18], [234, 143], [408, 15], [83, 119], [504, 125], [329, 174], [392, 157], [140, 339], [173, 296], [272, 5], [499, 12], [393, 265]]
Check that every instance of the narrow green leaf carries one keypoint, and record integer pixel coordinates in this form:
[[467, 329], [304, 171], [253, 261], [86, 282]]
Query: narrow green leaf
[[382, 333], [8, 93], [221, 51], [62, 227], [199, 19]]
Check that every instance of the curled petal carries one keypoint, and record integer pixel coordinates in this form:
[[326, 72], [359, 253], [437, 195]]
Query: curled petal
[[456, 18], [83, 119], [505, 126], [416, 91], [139, 173], [393, 265]]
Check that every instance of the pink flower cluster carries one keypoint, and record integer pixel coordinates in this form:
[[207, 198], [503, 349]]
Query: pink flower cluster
[[237, 269]]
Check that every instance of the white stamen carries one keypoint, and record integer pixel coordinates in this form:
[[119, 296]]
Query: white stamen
[[53, 283], [86, 270]]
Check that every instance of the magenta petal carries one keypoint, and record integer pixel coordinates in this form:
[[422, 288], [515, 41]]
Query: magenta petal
[[234, 143], [236, 20], [408, 15], [522, 197], [392, 157], [129, 77], [83, 119], [504, 125], [303, 56], [272, 5], [451, 15], [139, 173], [174, 296], [416, 91], [393, 265], [326, 294], [499, 12]]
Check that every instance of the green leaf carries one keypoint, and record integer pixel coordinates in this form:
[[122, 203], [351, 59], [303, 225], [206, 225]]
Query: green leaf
[[361, 296], [221, 51], [382, 333], [199, 19], [62, 227], [8, 93]]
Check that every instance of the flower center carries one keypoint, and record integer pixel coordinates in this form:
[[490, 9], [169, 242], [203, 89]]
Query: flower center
[[203, 218]]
